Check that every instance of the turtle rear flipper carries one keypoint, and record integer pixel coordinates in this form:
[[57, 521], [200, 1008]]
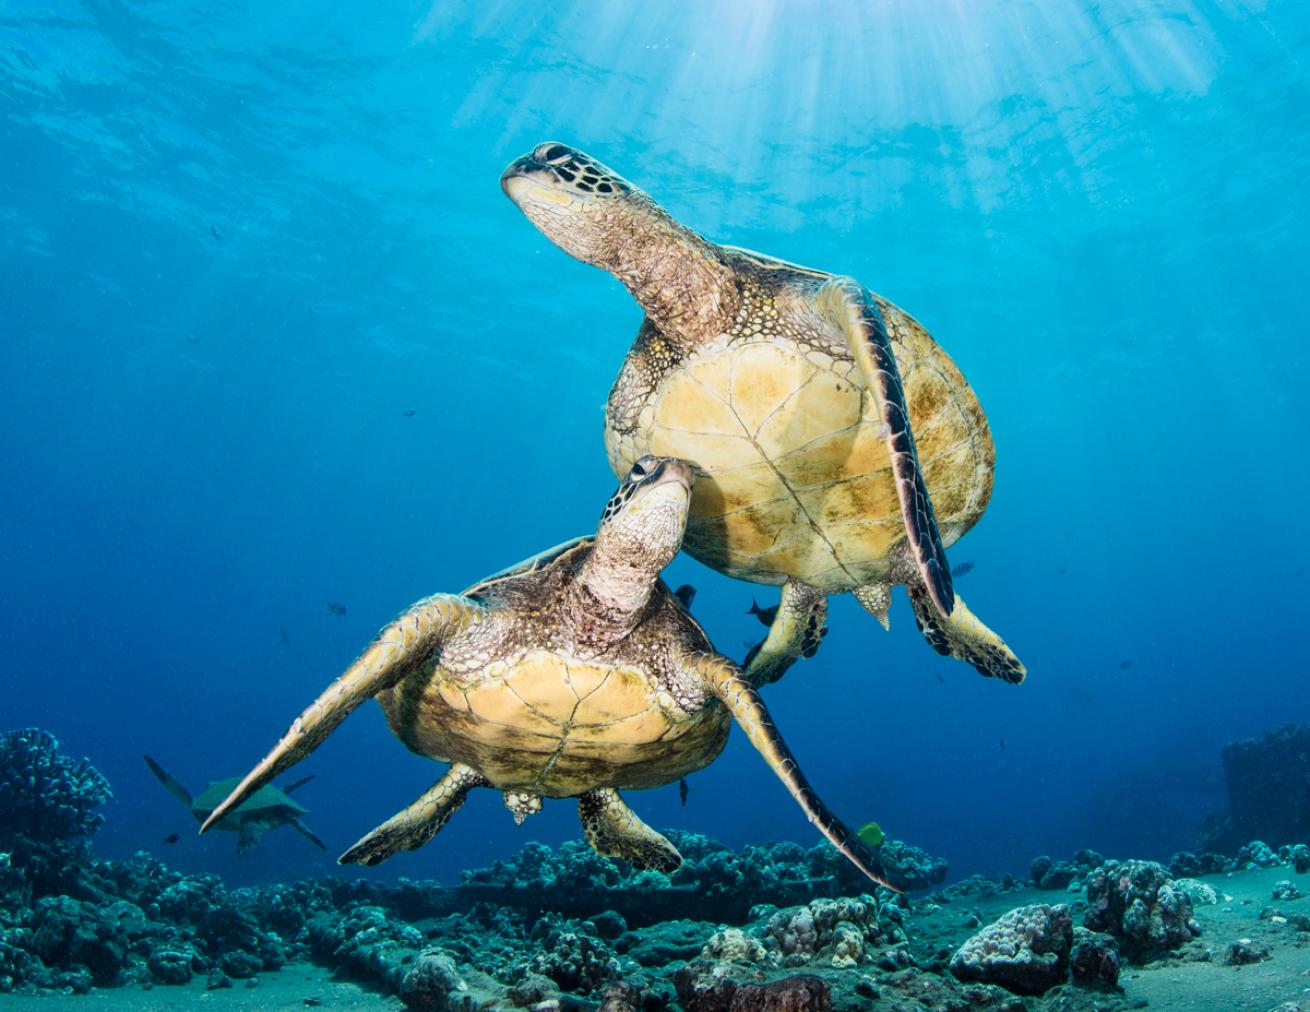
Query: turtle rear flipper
[[420, 822], [796, 631], [170, 785], [962, 636], [614, 830], [249, 834]]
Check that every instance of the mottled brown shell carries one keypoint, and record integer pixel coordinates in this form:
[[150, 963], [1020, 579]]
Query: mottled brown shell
[[797, 479]]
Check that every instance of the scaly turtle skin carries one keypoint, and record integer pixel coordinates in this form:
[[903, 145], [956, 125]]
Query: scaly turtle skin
[[575, 674], [840, 447], [266, 809]]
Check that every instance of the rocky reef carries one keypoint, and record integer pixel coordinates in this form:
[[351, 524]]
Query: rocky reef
[[775, 926], [1268, 791]]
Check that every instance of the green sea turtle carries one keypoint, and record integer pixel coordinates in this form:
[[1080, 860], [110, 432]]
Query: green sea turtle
[[821, 415], [577, 673], [267, 809]]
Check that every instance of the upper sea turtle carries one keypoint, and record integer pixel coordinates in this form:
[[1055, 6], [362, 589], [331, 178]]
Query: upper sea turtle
[[577, 673], [269, 808], [821, 415]]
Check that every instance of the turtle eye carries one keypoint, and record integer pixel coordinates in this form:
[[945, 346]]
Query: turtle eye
[[641, 468], [551, 154]]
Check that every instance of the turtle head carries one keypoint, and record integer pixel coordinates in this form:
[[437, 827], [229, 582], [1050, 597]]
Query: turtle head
[[641, 529], [580, 205]]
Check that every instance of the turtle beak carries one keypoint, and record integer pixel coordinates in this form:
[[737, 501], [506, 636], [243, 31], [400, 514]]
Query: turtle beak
[[514, 181], [671, 469]]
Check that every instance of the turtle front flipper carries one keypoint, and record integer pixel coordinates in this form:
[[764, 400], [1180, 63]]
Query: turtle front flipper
[[723, 680], [851, 308], [795, 632], [410, 642], [420, 822], [307, 833], [963, 636], [172, 786], [614, 830]]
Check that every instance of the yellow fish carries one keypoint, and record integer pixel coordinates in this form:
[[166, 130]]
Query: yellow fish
[[872, 835]]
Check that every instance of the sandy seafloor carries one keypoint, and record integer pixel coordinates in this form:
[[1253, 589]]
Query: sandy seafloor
[[1184, 982]]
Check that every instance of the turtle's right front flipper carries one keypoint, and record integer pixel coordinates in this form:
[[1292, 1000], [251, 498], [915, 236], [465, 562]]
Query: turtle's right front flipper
[[410, 642], [795, 632]]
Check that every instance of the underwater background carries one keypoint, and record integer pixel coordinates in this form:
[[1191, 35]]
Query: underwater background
[[272, 341]]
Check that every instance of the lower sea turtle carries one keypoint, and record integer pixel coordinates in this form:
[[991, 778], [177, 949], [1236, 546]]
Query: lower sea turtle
[[267, 809], [841, 448], [577, 673]]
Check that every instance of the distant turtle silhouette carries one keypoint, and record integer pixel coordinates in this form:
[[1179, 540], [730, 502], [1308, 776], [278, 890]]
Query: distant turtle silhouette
[[267, 809]]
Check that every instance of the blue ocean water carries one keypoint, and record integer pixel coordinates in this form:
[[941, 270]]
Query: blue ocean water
[[273, 339]]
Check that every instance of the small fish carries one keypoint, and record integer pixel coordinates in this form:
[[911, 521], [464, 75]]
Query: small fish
[[872, 835], [1001, 742], [765, 615], [962, 569], [940, 678], [685, 595], [284, 636], [683, 791], [752, 650], [336, 607], [172, 838], [213, 230], [410, 412], [1125, 665]]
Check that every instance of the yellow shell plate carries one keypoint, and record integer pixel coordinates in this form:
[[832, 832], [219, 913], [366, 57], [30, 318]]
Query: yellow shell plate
[[799, 481], [556, 725]]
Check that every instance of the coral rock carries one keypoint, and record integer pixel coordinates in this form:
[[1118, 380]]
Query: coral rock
[[45, 795], [1026, 951], [1244, 951], [1257, 853], [433, 983], [1141, 906], [734, 946], [1094, 960], [171, 965], [791, 994], [1286, 890]]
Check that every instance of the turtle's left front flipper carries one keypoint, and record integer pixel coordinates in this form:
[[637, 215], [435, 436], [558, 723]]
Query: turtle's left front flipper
[[722, 678], [850, 307], [410, 642]]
